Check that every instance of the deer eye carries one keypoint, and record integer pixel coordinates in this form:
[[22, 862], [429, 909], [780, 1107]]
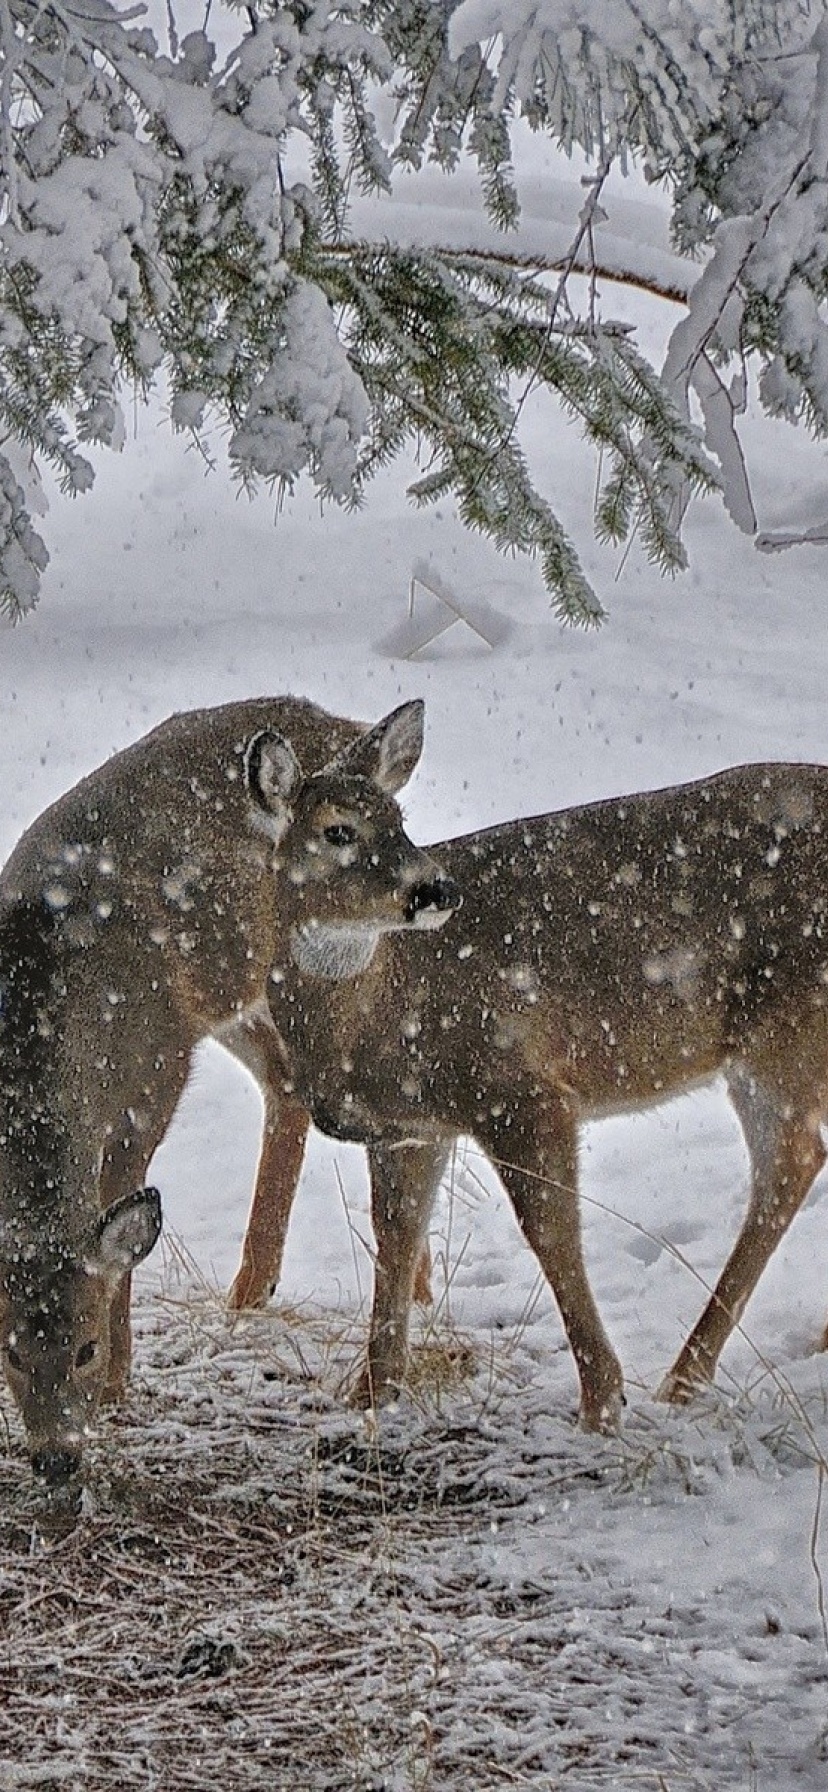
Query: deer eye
[[340, 833], [13, 1358], [86, 1354]]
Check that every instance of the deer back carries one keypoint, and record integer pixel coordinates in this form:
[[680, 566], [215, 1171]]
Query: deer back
[[610, 952]]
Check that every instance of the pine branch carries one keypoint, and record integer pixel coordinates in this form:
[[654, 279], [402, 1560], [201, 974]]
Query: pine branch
[[189, 247]]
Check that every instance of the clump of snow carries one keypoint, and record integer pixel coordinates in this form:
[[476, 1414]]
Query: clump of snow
[[309, 407]]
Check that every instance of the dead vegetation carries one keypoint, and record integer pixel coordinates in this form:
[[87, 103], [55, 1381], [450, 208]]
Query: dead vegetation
[[260, 1594]]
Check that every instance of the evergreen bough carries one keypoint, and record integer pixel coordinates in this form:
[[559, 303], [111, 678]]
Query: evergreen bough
[[156, 219]]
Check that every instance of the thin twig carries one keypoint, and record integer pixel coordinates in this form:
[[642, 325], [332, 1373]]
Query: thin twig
[[814, 1546]]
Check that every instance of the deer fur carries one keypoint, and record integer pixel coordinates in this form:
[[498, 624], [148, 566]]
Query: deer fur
[[606, 957], [137, 916]]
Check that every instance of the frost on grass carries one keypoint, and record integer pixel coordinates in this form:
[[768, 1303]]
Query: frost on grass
[[264, 1594]]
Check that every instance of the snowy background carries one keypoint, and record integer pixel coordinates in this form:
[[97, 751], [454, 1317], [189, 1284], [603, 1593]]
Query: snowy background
[[687, 1560]]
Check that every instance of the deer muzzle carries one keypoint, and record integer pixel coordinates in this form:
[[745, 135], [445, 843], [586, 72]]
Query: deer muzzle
[[430, 903], [56, 1467]]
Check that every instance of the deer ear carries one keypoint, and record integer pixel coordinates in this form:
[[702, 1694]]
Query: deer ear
[[272, 773], [127, 1232], [389, 752]]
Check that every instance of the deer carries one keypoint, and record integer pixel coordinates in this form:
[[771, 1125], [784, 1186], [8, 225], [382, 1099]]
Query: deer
[[138, 916], [606, 957]]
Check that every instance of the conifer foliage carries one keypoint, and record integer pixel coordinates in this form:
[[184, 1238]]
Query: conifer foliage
[[172, 207]]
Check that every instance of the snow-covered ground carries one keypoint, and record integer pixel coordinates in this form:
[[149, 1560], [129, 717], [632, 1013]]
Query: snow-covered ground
[[674, 1581]]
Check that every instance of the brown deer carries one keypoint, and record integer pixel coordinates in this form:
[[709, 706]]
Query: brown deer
[[138, 915], [606, 957]]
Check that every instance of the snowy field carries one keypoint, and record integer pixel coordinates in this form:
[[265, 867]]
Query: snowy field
[[486, 1599]]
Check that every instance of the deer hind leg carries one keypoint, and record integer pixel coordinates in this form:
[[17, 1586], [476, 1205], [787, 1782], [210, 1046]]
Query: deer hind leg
[[422, 1277], [124, 1167], [254, 1041], [786, 1154], [404, 1181], [120, 1343], [284, 1136], [536, 1159]]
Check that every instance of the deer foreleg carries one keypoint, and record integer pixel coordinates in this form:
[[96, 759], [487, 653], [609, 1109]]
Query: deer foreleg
[[404, 1181]]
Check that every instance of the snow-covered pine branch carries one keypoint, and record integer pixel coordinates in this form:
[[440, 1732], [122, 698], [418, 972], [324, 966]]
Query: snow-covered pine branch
[[728, 107], [190, 211], [148, 221]]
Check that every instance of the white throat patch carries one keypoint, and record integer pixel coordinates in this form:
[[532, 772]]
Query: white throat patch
[[333, 952]]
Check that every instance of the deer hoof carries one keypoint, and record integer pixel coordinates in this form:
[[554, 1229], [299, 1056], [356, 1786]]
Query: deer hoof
[[602, 1417], [680, 1386], [370, 1392], [249, 1296]]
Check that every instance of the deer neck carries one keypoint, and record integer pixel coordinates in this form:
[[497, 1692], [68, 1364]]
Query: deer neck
[[333, 952]]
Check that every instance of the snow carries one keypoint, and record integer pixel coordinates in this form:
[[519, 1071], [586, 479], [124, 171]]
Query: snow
[[309, 405], [429, 209], [539, 43], [656, 1601]]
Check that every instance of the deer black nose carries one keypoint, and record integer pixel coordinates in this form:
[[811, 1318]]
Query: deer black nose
[[439, 893], [56, 1467]]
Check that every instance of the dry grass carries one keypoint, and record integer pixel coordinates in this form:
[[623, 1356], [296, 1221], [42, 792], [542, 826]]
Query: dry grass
[[260, 1594], [230, 1609]]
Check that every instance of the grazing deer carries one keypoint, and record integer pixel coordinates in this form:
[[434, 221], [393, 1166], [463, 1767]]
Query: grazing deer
[[138, 915], [606, 957]]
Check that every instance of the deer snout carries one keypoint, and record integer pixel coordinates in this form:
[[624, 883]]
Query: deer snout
[[432, 901], [56, 1467]]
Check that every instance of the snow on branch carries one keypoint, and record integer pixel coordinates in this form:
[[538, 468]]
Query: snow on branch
[[208, 213], [151, 219], [728, 106]]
